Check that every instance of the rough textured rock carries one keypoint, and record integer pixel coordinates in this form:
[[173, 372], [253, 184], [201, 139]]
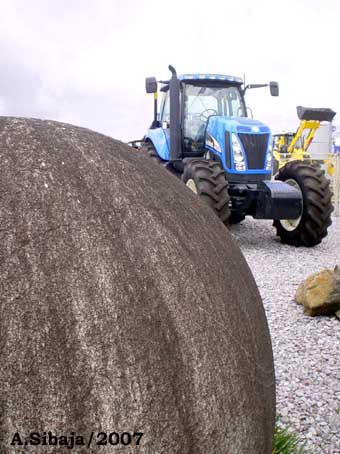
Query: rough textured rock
[[125, 305], [320, 292]]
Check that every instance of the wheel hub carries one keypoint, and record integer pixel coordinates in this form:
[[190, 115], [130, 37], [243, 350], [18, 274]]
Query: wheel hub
[[192, 185], [292, 224]]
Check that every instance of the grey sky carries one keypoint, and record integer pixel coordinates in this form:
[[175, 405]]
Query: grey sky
[[84, 62]]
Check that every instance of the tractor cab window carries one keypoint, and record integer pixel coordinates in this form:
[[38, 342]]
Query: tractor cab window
[[166, 107], [201, 102]]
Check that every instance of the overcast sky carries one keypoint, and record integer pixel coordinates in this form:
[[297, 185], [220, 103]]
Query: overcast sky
[[84, 62]]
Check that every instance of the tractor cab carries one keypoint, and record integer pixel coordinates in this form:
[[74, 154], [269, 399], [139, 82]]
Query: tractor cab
[[201, 96], [200, 102]]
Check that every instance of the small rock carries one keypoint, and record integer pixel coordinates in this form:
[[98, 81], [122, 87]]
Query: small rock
[[284, 412], [320, 293]]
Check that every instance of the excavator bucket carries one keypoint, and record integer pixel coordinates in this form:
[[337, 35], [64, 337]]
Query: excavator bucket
[[309, 113]]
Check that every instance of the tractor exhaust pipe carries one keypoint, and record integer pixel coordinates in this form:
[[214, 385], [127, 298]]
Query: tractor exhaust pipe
[[175, 117]]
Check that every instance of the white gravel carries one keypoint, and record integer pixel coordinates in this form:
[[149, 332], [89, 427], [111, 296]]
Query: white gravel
[[306, 349]]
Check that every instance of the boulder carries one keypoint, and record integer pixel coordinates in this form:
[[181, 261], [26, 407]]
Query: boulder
[[320, 292], [125, 306]]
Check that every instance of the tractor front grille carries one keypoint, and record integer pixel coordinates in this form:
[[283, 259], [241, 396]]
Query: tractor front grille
[[255, 146]]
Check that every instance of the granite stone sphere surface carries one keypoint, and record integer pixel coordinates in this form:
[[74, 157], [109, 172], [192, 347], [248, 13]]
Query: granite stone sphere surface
[[125, 306]]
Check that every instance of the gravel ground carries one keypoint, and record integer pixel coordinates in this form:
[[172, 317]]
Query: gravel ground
[[306, 349]]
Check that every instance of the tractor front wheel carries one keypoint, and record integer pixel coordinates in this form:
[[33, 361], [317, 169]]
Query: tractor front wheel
[[207, 179], [311, 226], [236, 218]]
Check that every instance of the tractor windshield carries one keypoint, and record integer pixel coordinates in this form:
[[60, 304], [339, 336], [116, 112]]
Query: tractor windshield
[[201, 102]]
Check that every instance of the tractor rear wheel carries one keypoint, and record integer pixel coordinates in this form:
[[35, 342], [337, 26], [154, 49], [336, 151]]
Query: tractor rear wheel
[[311, 227], [151, 152], [207, 179]]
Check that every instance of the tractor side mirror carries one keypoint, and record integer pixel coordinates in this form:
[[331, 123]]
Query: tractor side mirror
[[274, 88], [151, 85]]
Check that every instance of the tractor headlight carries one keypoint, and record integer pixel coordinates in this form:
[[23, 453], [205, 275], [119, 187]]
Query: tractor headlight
[[237, 153], [269, 157]]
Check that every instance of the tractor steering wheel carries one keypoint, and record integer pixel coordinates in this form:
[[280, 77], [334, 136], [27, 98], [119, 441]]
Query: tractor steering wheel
[[204, 115]]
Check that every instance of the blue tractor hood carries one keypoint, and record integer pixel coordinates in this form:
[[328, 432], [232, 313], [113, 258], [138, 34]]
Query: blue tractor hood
[[253, 136], [237, 125]]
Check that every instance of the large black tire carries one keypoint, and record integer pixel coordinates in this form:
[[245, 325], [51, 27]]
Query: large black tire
[[151, 152], [207, 179], [317, 205], [236, 218]]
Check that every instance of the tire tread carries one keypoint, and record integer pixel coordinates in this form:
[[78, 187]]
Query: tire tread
[[317, 205]]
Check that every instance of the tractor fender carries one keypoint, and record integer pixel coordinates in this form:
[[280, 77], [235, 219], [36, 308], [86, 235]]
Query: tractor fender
[[160, 139]]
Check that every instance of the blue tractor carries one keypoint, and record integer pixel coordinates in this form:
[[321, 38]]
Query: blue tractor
[[202, 134]]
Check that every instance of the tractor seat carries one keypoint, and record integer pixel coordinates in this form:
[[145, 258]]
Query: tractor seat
[[193, 141], [193, 148]]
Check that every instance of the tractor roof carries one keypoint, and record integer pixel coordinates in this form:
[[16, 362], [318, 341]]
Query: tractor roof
[[210, 77]]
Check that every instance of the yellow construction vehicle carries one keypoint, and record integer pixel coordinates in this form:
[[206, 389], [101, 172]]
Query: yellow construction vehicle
[[293, 146]]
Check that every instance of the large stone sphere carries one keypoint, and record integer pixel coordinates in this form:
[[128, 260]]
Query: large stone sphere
[[125, 306]]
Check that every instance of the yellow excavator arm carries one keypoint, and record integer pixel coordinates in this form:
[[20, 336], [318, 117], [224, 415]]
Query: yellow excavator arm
[[290, 146], [312, 126]]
